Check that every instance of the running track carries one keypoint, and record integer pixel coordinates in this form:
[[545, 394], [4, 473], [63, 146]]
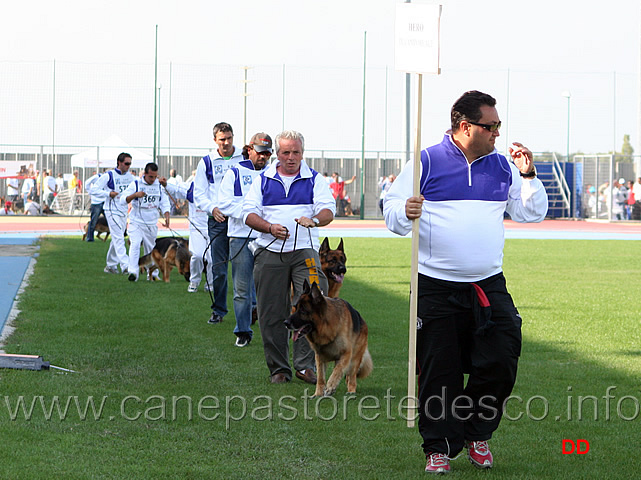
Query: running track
[[30, 227]]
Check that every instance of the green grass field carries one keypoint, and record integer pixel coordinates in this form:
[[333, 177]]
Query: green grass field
[[174, 398]]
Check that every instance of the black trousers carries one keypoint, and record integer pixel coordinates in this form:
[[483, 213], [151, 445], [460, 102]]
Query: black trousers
[[456, 335]]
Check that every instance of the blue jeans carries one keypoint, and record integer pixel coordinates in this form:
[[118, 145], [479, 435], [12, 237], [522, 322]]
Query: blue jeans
[[96, 210], [219, 245], [242, 272]]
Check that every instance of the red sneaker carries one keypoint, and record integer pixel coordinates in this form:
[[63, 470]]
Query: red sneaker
[[438, 463], [479, 454]]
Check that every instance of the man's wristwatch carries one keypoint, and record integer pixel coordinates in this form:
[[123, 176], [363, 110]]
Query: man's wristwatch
[[316, 221], [531, 174]]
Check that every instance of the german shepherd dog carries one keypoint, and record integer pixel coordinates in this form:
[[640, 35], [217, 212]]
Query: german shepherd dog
[[333, 266], [336, 332], [101, 227], [168, 252]]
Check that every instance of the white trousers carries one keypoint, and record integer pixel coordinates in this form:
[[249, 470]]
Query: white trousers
[[144, 235], [198, 242], [117, 253]]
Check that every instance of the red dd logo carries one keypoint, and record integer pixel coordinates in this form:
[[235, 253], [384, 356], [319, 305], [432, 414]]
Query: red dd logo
[[579, 447]]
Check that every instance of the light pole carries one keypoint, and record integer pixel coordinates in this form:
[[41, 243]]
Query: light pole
[[158, 148], [245, 95], [567, 95]]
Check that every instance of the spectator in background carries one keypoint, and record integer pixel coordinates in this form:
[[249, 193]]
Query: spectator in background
[[98, 198], [38, 192], [630, 200], [175, 180], [75, 185], [384, 184], [50, 188], [636, 189], [32, 208], [60, 182], [7, 208], [614, 199], [338, 191], [590, 202], [13, 189], [27, 191]]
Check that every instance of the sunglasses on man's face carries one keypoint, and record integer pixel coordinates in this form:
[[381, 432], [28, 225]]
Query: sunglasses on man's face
[[125, 163], [493, 127]]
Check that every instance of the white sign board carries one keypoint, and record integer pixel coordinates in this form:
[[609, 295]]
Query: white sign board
[[417, 38]]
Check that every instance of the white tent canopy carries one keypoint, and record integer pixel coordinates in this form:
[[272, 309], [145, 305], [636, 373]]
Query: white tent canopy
[[105, 155]]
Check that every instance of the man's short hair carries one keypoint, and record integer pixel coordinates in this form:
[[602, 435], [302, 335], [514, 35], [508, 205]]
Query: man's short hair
[[122, 157], [468, 107], [151, 166], [223, 127], [289, 135]]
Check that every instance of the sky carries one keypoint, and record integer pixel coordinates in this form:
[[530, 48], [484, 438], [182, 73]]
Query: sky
[[524, 53]]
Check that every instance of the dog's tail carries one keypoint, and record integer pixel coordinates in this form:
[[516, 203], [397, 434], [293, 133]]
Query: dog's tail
[[366, 365]]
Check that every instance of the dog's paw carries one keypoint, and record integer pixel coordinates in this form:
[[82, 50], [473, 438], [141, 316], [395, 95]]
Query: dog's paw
[[328, 392]]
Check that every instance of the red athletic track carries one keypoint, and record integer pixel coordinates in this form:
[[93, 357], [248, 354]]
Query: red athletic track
[[54, 224]]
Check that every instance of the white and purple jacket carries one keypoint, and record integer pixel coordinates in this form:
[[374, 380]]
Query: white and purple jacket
[[461, 227], [197, 218], [307, 196], [112, 181], [209, 174], [145, 210], [231, 194]]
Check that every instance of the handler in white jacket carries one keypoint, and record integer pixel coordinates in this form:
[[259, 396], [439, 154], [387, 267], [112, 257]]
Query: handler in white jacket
[[111, 185], [198, 236], [147, 200], [233, 189]]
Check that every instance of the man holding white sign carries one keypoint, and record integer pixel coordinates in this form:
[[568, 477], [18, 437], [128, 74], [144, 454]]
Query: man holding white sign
[[467, 322]]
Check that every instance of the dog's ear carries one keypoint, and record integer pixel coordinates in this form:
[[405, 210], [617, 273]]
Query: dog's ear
[[317, 295], [340, 246], [324, 246], [306, 288]]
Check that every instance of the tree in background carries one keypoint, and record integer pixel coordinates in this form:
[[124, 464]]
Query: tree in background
[[626, 148]]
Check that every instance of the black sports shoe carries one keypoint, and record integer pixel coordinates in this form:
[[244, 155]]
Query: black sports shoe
[[243, 340], [215, 318]]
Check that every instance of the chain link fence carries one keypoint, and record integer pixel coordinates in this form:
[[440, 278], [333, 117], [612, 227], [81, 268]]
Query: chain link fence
[[52, 110]]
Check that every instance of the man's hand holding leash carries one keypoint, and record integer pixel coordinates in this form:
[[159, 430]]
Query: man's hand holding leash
[[279, 231], [324, 217]]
